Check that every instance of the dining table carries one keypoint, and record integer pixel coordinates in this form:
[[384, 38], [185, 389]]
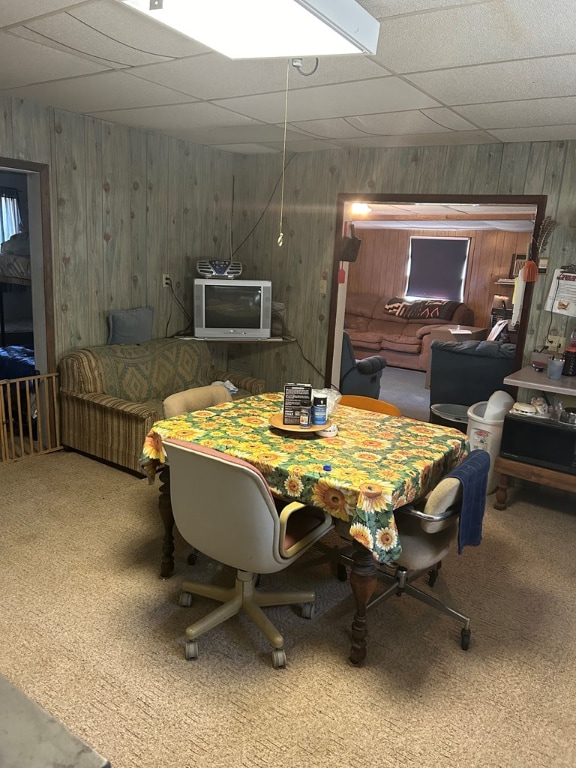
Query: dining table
[[374, 464]]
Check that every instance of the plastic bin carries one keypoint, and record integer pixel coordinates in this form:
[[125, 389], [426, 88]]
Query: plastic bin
[[485, 422], [449, 415]]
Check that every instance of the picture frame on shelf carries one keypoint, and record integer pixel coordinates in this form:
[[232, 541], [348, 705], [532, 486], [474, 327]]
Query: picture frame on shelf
[[518, 261]]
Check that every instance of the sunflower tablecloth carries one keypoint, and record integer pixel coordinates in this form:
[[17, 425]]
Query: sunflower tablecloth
[[375, 464]]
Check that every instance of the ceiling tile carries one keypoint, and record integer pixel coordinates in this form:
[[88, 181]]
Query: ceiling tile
[[16, 12], [512, 114], [179, 120], [534, 78], [447, 118], [385, 94], [382, 9], [239, 134], [473, 34], [422, 140], [546, 133], [395, 123], [334, 128], [104, 91], [128, 28], [24, 63], [213, 76], [246, 149]]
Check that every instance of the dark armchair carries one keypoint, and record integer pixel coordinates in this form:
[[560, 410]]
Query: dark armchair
[[359, 377], [468, 372]]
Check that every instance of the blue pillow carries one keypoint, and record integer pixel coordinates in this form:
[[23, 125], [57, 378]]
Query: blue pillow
[[130, 326]]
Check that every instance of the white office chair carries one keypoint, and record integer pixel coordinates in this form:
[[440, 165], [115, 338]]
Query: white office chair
[[224, 508], [426, 532]]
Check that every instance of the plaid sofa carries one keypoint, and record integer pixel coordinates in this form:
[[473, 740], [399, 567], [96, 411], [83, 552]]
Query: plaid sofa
[[111, 395]]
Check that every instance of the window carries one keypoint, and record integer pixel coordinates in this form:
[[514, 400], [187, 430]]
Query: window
[[437, 267], [10, 221]]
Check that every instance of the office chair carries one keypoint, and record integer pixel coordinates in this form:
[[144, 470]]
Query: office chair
[[427, 530], [224, 508], [369, 404], [359, 377]]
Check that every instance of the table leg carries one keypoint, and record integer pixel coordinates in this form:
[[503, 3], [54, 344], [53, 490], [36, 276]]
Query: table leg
[[165, 508], [363, 583], [501, 492]]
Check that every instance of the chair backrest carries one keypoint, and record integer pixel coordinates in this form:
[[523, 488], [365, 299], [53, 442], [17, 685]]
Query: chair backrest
[[194, 399], [223, 507], [442, 505], [369, 404]]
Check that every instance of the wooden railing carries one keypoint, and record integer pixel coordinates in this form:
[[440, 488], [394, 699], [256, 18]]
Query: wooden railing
[[29, 417]]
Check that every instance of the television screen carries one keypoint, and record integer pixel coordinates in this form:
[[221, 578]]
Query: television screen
[[232, 308]]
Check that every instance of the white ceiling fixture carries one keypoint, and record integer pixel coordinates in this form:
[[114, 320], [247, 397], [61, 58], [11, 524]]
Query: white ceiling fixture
[[254, 29]]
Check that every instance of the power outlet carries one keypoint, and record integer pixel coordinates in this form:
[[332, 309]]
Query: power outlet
[[556, 343], [166, 280]]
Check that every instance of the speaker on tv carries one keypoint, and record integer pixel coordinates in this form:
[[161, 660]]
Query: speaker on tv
[[350, 246]]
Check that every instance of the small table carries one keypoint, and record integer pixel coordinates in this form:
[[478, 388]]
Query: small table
[[455, 333], [375, 464], [529, 378]]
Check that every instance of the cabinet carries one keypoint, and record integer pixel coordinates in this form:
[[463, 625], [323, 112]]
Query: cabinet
[[506, 468]]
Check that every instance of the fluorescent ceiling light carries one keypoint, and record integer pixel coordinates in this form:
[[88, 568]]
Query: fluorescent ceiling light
[[253, 29]]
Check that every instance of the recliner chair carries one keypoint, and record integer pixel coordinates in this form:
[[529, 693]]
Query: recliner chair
[[224, 508], [359, 377]]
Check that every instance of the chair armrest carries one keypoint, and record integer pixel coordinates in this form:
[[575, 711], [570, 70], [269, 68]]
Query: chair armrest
[[249, 383], [411, 511], [371, 364], [299, 525]]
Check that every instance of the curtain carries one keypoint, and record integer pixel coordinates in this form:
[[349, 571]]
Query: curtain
[[437, 267], [10, 221]]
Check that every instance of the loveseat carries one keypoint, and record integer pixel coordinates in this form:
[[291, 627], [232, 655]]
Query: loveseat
[[399, 329], [111, 395]]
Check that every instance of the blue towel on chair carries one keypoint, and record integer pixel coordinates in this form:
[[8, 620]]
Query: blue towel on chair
[[473, 475]]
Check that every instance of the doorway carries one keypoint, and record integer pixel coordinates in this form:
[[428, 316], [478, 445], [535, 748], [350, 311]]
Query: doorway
[[412, 206], [27, 288]]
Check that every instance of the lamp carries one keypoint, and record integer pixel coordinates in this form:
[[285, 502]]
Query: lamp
[[254, 29]]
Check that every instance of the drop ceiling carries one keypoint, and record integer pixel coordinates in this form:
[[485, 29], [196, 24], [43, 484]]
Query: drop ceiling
[[445, 72]]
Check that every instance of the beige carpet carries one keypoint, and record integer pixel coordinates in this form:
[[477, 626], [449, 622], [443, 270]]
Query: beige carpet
[[91, 633]]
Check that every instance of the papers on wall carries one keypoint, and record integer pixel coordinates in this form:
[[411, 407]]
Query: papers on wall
[[562, 295]]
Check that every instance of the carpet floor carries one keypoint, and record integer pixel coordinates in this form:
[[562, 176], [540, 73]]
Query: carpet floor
[[92, 634]]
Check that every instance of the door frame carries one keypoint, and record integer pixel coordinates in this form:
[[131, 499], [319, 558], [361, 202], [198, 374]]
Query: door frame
[[338, 290]]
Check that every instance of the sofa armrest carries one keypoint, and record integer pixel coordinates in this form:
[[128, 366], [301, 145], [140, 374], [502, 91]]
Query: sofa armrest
[[106, 427], [248, 383]]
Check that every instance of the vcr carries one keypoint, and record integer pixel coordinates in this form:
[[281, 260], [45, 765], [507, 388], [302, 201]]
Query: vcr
[[539, 441]]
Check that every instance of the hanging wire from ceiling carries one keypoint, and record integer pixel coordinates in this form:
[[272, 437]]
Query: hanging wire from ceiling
[[281, 234]]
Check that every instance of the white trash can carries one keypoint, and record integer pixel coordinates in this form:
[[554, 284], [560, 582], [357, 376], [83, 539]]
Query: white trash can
[[485, 422]]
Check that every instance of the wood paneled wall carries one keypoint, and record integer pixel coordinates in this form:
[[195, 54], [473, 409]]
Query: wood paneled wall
[[313, 181], [382, 265], [126, 206], [129, 205]]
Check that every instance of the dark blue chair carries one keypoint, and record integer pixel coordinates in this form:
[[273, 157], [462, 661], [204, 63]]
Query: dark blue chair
[[359, 377]]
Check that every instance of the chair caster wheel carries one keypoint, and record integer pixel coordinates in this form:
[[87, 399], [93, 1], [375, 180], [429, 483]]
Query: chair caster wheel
[[191, 649], [279, 658], [185, 599], [308, 611], [465, 639]]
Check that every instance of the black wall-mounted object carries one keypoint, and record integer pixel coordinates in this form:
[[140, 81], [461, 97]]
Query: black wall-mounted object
[[350, 246]]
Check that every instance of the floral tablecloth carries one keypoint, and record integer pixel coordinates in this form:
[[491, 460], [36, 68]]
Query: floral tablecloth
[[375, 464]]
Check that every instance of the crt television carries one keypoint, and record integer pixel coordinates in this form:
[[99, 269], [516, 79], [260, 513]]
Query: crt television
[[232, 309]]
